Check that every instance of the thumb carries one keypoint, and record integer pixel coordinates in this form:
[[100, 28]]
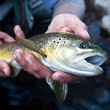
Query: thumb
[[18, 32]]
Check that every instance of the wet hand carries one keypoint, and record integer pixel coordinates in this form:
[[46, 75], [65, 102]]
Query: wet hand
[[4, 67], [68, 23], [5, 70], [26, 60]]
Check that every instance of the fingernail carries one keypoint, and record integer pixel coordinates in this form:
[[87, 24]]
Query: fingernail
[[86, 34], [18, 31], [18, 53], [17, 28], [57, 77], [29, 58], [83, 34], [29, 61]]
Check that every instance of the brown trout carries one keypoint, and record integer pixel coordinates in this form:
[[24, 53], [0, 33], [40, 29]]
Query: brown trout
[[59, 52]]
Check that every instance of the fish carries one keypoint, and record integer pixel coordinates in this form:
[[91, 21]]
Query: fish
[[58, 51]]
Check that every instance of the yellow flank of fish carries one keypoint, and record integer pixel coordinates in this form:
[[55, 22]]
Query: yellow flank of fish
[[6, 55], [50, 52], [37, 55]]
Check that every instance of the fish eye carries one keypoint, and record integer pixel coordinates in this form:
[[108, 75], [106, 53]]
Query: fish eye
[[85, 45], [82, 45]]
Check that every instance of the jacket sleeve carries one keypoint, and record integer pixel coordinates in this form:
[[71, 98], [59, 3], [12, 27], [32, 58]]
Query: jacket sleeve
[[76, 7], [42, 8]]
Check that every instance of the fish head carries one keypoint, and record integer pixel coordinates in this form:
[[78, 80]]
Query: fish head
[[74, 56]]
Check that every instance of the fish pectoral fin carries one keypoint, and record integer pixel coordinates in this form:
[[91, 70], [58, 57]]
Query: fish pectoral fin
[[60, 90], [16, 68]]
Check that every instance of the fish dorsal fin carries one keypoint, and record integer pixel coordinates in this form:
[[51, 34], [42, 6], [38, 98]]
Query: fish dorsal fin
[[27, 43], [30, 45]]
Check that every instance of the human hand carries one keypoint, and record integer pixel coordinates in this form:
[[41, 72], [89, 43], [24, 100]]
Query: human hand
[[4, 67], [68, 23], [36, 68]]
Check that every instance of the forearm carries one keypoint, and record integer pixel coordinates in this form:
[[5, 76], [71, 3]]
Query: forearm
[[76, 7]]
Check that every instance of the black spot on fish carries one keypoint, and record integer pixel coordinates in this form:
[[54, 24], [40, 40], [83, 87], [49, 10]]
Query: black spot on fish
[[59, 38], [54, 41], [57, 42]]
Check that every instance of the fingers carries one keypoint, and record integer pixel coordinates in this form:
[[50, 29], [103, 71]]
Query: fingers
[[18, 32], [4, 69], [63, 77], [4, 37], [68, 23], [82, 33], [30, 64], [34, 67], [80, 29], [77, 27]]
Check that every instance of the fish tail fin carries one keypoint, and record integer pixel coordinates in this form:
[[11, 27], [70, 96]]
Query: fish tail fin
[[59, 89]]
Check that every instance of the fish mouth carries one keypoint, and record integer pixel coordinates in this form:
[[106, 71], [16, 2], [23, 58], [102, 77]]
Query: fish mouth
[[87, 65], [96, 60], [93, 64]]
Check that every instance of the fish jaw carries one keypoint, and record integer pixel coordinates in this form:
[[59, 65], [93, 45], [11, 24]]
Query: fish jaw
[[73, 60]]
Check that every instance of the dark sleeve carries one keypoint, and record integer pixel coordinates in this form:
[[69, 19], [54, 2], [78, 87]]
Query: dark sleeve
[[42, 7], [76, 7]]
